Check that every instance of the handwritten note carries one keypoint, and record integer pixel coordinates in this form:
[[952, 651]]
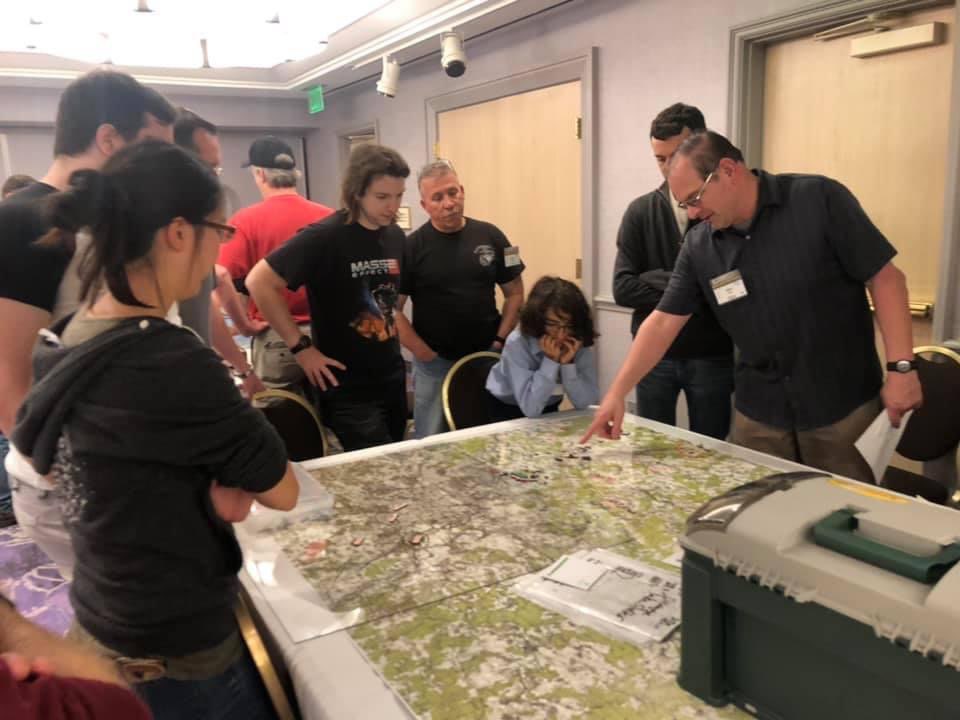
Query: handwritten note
[[627, 599]]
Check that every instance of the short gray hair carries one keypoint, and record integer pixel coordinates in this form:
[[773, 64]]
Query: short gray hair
[[276, 178], [436, 168]]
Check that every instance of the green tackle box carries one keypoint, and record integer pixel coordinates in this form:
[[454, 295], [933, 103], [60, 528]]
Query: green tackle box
[[809, 597]]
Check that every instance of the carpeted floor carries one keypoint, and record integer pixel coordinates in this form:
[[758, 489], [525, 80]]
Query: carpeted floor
[[32, 581]]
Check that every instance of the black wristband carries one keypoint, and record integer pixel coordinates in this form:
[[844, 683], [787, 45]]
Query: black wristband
[[302, 344], [497, 338]]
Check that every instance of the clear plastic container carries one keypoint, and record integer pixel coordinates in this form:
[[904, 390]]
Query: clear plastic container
[[315, 503]]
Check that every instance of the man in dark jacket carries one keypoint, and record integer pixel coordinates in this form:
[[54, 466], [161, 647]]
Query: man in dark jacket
[[700, 361]]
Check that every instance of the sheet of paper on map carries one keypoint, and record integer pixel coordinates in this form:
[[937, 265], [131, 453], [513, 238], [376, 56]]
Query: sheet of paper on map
[[628, 600], [576, 571]]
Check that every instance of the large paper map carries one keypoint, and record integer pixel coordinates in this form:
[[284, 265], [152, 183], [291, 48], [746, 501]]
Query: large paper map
[[424, 543]]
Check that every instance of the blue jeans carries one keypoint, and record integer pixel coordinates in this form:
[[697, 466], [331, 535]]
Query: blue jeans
[[428, 378], [707, 384], [238, 693], [6, 503]]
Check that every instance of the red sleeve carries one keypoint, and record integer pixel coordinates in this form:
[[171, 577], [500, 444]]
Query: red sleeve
[[235, 255], [58, 698]]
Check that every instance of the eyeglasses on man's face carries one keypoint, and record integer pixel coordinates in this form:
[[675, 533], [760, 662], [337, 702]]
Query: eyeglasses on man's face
[[695, 200]]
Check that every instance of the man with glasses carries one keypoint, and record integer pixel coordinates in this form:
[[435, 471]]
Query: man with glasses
[[451, 268], [700, 360], [783, 261], [203, 312]]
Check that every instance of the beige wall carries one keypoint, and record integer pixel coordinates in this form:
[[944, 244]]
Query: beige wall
[[650, 54]]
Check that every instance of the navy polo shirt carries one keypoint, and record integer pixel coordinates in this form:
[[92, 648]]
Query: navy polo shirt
[[804, 330]]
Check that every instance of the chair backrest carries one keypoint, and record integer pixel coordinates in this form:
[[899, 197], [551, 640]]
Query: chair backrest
[[934, 428], [296, 421], [464, 391]]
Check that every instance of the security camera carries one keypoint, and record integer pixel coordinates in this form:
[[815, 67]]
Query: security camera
[[387, 85], [452, 57]]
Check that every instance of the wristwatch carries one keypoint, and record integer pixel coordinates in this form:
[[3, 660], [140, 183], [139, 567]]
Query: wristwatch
[[502, 341], [302, 344], [241, 374], [902, 366]]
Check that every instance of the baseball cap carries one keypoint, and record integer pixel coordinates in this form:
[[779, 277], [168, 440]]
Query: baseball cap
[[271, 152]]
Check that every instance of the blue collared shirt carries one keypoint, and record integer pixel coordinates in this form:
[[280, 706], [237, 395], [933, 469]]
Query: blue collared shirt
[[526, 377]]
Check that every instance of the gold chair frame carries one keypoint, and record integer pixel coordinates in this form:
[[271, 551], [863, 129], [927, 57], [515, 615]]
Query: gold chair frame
[[445, 391], [302, 402]]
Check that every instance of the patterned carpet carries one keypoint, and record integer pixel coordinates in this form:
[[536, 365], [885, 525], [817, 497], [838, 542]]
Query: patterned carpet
[[32, 581]]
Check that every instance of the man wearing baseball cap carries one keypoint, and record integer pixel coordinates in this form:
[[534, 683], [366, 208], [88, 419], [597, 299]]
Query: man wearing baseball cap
[[262, 228]]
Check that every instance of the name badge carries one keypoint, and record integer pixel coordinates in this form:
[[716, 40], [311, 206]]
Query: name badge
[[511, 256], [728, 287]]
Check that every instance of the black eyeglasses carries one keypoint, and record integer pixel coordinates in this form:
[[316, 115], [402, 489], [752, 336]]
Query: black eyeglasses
[[557, 325], [695, 200], [226, 232]]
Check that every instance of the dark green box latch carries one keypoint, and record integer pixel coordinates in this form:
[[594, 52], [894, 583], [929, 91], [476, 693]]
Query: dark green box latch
[[837, 532]]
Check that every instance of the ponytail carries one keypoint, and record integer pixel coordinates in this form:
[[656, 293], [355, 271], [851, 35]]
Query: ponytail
[[141, 189]]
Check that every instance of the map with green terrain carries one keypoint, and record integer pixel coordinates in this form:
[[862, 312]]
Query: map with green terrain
[[425, 543]]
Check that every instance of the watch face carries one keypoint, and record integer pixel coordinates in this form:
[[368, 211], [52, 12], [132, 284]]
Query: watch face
[[904, 366]]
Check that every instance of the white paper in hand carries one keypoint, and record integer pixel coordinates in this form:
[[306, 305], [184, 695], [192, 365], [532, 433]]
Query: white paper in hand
[[879, 441]]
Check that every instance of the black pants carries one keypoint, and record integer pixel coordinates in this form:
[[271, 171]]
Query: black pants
[[367, 415], [500, 410]]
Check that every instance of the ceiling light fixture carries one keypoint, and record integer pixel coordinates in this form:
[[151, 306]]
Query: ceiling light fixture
[[387, 85], [167, 33]]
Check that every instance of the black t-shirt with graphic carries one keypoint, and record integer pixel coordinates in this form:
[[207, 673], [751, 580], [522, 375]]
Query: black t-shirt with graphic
[[352, 276], [451, 279]]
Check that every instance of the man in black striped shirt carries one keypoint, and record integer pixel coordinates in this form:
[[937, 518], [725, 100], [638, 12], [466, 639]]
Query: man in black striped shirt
[[782, 260]]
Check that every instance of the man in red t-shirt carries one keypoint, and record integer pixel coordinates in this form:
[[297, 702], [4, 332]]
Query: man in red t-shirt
[[262, 228], [44, 677]]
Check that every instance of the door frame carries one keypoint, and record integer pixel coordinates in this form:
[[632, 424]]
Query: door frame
[[580, 67], [748, 47], [343, 139]]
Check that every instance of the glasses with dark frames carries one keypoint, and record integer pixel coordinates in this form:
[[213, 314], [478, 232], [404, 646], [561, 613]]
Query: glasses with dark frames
[[226, 232]]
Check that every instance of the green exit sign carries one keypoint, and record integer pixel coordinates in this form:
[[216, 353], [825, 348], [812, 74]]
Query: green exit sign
[[315, 99]]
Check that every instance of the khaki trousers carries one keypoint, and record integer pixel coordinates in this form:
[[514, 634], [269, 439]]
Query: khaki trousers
[[273, 362], [827, 448]]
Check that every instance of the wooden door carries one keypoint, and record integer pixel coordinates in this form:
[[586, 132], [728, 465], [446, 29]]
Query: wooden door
[[878, 125], [518, 158]]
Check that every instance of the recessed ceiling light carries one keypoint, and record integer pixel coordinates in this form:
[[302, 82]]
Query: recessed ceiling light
[[166, 33]]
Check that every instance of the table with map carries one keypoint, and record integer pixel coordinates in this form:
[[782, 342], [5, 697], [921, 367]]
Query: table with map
[[401, 605]]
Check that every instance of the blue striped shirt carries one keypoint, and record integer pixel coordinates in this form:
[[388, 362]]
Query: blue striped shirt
[[526, 377]]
